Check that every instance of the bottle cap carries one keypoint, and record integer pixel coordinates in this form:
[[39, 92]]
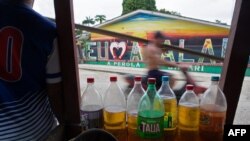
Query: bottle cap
[[151, 80], [189, 87], [137, 78], [113, 78], [215, 78], [165, 78], [90, 80]]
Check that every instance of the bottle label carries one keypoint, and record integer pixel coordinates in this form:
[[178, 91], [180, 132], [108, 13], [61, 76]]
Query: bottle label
[[213, 121], [168, 123], [204, 119], [150, 127], [91, 119]]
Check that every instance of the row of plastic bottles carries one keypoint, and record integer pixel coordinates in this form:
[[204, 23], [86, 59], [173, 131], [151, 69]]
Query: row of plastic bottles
[[155, 115]]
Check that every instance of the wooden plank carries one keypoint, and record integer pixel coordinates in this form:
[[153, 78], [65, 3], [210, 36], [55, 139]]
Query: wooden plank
[[237, 55], [69, 66]]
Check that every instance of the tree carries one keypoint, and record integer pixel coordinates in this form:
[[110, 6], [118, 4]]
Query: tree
[[169, 12], [164, 11], [82, 38], [219, 22], [88, 21], [132, 5], [100, 18], [78, 32]]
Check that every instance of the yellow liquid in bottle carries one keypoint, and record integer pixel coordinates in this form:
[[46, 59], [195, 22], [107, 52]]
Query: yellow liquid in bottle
[[212, 120], [115, 122], [170, 118], [188, 122], [132, 126]]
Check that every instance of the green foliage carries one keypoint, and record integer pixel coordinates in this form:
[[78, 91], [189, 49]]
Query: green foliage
[[88, 20], [100, 18], [220, 22], [78, 32], [82, 37], [169, 12], [132, 5]]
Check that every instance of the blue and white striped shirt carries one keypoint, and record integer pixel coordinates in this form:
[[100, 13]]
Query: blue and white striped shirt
[[28, 61]]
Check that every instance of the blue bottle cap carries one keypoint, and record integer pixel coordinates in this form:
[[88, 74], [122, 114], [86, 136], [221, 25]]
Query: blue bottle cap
[[165, 78], [215, 78]]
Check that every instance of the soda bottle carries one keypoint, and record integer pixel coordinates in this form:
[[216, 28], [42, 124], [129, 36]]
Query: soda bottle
[[115, 110], [188, 115], [213, 108], [91, 108], [170, 105], [151, 114], [132, 108]]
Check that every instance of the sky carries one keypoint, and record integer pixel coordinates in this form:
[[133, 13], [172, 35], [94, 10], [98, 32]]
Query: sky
[[209, 10]]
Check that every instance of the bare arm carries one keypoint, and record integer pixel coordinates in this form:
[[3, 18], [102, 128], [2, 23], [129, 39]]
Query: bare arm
[[56, 100], [167, 63]]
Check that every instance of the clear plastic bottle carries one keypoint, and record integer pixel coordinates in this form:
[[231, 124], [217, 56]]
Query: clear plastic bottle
[[188, 115], [115, 110], [213, 112], [132, 108], [150, 119], [91, 108], [170, 105]]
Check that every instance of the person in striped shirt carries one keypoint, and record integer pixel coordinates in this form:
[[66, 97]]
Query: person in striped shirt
[[30, 80]]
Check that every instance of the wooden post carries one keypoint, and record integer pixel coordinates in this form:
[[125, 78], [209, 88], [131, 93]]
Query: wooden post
[[237, 55], [67, 50]]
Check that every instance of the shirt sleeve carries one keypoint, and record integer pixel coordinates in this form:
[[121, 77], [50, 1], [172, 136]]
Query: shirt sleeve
[[53, 71]]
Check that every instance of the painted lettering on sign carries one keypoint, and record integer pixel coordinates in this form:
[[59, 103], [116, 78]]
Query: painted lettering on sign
[[207, 47], [131, 51], [168, 54], [125, 64], [115, 47]]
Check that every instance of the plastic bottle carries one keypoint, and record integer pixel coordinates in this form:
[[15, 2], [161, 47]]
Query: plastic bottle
[[150, 119], [188, 115], [91, 108], [213, 112], [115, 110], [132, 108], [170, 105]]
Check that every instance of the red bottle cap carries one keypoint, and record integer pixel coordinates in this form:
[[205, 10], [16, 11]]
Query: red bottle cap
[[137, 78], [189, 87], [113, 78], [90, 80], [151, 80]]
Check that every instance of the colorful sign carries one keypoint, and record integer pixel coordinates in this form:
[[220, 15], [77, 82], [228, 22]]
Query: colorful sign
[[131, 51], [197, 35]]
